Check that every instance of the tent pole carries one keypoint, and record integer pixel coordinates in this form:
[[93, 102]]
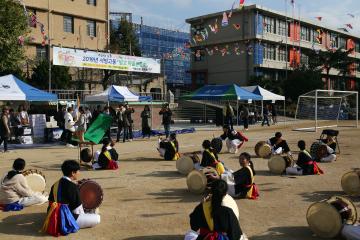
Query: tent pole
[[237, 112], [151, 115], [262, 108]]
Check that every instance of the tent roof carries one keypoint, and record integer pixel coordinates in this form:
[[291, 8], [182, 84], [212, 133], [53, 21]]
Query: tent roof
[[221, 92], [266, 95], [117, 94], [13, 89]]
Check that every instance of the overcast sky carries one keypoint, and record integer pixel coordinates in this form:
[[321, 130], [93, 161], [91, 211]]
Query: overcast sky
[[172, 13]]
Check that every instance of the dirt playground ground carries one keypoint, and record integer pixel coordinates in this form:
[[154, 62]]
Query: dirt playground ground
[[148, 199]]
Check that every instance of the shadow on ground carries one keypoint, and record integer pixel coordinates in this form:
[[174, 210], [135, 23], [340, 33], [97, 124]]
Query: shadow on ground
[[320, 195], [176, 195], [165, 174], [28, 224], [286, 233]]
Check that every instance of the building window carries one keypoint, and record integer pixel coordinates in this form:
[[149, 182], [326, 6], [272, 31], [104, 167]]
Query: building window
[[282, 28], [199, 55], [91, 28], [357, 46], [282, 56], [305, 34], [269, 52], [91, 2], [269, 24], [342, 43], [315, 35], [41, 53], [334, 40], [200, 78], [304, 59], [68, 24]]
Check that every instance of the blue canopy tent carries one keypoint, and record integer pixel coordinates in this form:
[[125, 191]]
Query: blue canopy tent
[[231, 92], [13, 89]]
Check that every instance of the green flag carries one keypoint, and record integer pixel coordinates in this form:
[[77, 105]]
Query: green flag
[[98, 128]]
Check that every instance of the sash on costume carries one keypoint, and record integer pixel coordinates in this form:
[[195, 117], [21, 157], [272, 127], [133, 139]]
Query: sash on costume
[[317, 169], [253, 192], [217, 164], [112, 165], [210, 234], [59, 219], [177, 155]]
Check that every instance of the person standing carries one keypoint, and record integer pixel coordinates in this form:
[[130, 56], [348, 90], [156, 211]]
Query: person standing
[[166, 118], [107, 112], [146, 121], [229, 115], [128, 112], [245, 117], [5, 128], [274, 114], [265, 116], [69, 126], [23, 116], [88, 116], [81, 124], [120, 121], [96, 113]]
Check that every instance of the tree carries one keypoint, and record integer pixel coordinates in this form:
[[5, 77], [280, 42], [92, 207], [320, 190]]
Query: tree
[[269, 84], [122, 41], [60, 77], [13, 24]]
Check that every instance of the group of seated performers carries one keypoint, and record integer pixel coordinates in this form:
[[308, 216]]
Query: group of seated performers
[[65, 199], [212, 220], [106, 158], [169, 148], [279, 145], [305, 164], [234, 140], [15, 192]]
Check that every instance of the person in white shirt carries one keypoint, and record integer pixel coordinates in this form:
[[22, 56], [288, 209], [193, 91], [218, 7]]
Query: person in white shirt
[[69, 126], [23, 116]]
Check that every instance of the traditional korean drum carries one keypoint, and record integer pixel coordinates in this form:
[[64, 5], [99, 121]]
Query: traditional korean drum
[[216, 144], [229, 202], [185, 164], [326, 218], [278, 164], [198, 181], [350, 183], [35, 180], [91, 194], [262, 149]]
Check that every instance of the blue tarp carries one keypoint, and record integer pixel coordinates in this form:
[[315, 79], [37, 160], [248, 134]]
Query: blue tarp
[[13, 89], [221, 92]]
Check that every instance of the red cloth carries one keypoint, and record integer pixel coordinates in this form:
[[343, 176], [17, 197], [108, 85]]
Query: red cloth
[[240, 134], [54, 222], [112, 165]]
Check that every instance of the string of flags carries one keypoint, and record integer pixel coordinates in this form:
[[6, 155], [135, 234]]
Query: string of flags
[[225, 50]]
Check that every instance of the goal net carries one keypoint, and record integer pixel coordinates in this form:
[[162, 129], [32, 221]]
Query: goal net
[[326, 108]]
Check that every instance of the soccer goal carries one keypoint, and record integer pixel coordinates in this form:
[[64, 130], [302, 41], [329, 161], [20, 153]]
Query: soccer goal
[[326, 108]]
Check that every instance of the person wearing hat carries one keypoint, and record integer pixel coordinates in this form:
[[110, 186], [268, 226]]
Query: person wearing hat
[[305, 163], [278, 144], [210, 158], [5, 128], [169, 148], [212, 220], [15, 191], [106, 159], [234, 140], [166, 118], [331, 149]]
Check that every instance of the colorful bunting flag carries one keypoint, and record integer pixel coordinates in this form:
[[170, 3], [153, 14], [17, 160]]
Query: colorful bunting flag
[[225, 20], [349, 25], [343, 29], [236, 26], [319, 18], [241, 4], [351, 15], [21, 40], [231, 11]]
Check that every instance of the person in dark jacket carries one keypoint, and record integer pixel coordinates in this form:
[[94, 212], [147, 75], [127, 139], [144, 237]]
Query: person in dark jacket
[[169, 148], [120, 121], [245, 117], [128, 123], [166, 118], [278, 144], [210, 218], [209, 156], [146, 122], [265, 116]]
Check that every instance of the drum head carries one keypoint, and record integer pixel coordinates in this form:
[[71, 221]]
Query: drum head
[[229, 202], [264, 150], [350, 183], [350, 205], [91, 194], [196, 182], [257, 147], [184, 165], [277, 164], [86, 155], [324, 220], [35, 180], [216, 144]]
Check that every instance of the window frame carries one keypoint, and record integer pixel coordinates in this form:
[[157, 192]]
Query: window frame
[[88, 27], [91, 2], [65, 27]]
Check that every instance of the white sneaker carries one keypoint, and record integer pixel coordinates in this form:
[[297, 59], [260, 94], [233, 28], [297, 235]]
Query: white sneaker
[[69, 145]]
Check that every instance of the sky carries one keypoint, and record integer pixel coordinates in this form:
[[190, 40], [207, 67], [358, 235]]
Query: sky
[[172, 13]]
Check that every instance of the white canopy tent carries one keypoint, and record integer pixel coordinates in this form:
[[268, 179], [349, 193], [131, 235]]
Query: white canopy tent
[[266, 96]]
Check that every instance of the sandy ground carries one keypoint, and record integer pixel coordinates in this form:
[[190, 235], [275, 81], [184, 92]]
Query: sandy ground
[[147, 199]]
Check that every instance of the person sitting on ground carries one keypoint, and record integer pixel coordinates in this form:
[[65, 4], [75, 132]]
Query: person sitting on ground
[[234, 139], [66, 192], [331, 149], [14, 189], [210, 158], [113, 152], [305, 163], [169, 148], [211, 220], [279, 145], [105, 159]]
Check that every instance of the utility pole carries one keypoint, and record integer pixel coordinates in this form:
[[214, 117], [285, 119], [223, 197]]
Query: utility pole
[[49, 46]]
